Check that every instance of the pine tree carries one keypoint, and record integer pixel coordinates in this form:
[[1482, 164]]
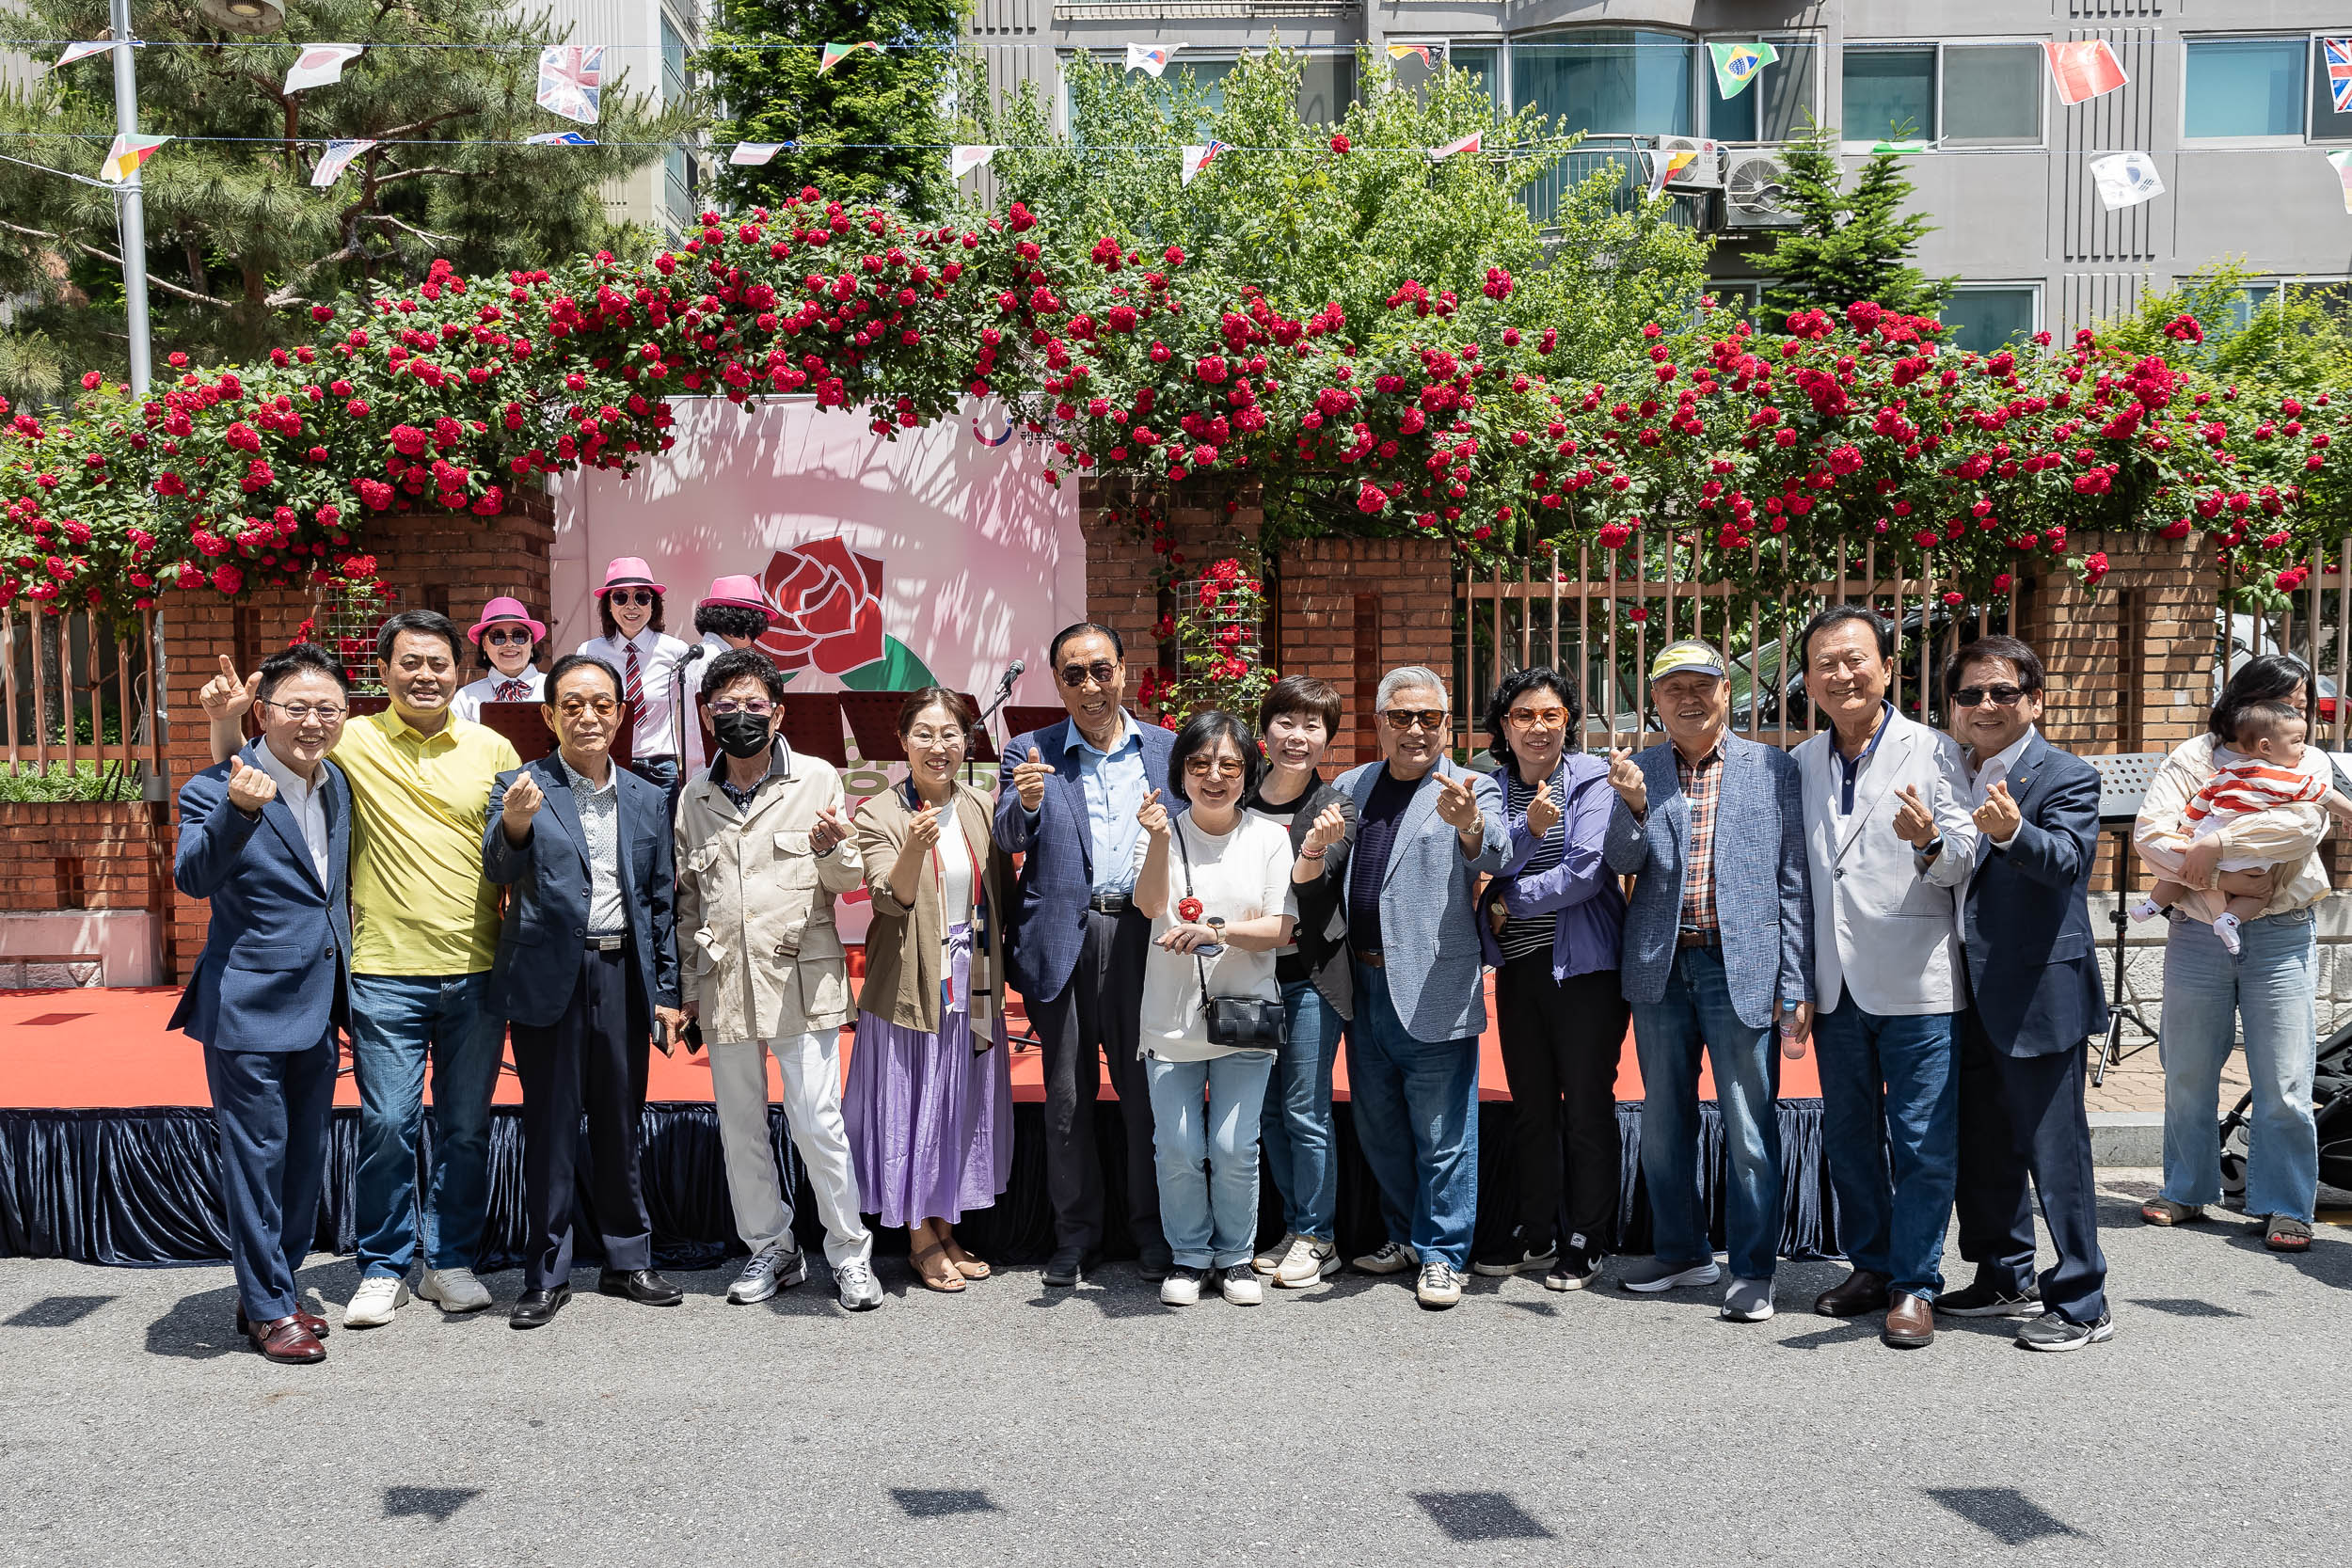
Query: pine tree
[[874, 128], [1852, 243], [237, 235]]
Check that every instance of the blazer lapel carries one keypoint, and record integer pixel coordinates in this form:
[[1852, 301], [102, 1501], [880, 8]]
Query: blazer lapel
[[2020, 778], [557, 786], [1418, 811], [1876, 781], [338, 833], [1074, 792]]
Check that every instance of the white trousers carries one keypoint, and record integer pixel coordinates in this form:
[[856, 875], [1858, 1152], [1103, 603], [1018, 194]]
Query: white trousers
[[810, 1066]]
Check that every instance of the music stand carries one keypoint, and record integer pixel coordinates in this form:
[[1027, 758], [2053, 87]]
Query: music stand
[[2123, 783], [1021, 721], [522, 726], [812, 725]]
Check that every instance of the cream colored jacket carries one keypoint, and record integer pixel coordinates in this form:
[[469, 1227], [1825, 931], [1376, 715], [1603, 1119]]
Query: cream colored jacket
[[758, 956], [2285, 836]]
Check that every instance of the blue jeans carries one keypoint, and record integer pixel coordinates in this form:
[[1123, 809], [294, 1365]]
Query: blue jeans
[[1301, 1153], [2268, 988], [1890, 1125], [399, 1022], [1415, 1112], [1668, 1035], [1210, 1221]]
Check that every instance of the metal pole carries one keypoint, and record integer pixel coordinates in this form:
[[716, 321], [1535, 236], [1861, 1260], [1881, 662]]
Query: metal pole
[[129, 205]]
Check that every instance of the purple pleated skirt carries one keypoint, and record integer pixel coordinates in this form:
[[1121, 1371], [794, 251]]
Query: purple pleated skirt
[[930, 1123]]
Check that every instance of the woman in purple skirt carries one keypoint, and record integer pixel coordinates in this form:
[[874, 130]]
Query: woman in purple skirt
[[930, 1101]]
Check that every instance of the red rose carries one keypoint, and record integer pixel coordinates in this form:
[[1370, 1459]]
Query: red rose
[[1188, 909], [831, 603]]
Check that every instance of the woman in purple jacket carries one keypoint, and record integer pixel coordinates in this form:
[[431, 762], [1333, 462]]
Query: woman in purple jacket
[[1552, 918]]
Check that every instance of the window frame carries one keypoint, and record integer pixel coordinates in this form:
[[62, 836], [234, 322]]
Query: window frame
[[2032, 286], [1816, 40], [1935, 141], [1702, 72], [2299, 137], [2312, 73]]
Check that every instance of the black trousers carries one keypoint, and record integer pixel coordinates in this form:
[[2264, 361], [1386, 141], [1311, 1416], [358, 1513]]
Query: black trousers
[[590, 1060], [1101, 1009], [2020, 1117], [1560, 1040]]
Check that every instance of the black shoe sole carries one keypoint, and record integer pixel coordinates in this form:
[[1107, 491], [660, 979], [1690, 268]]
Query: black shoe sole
[[1905, 1342], [1504, 1271], [622, 1293], [1062, 1277]]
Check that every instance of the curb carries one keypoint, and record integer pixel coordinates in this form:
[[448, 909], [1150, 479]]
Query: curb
[[2127, 1137]]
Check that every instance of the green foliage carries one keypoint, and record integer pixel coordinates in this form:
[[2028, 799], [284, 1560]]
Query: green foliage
[[1854, 242], [868, 130], [237, 238], [84, 781], [2297, 337]]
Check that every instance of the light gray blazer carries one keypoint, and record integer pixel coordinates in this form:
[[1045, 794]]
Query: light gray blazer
[[1428, 925]]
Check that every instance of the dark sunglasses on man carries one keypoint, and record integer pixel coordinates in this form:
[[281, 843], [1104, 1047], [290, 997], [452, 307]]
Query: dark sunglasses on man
[[1430, 719], [1102, 672], [2001, 696]]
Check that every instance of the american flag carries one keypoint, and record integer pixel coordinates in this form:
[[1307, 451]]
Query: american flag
[[2339, 54], [571, 78]]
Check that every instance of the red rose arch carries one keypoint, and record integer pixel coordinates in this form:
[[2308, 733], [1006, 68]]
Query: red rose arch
[[830, 603]]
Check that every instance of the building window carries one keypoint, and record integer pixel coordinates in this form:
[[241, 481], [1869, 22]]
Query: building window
[[1326, 83], [2327, 125], [1777, 105], [1955, 95], [674, 52], [1890, 94], [1483, 60], [2240, 87], [1736, 299], [1615, 81], [1982, 317]]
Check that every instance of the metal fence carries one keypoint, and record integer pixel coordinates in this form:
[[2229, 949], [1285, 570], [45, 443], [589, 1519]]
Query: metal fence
[[80, 704], [2315, 626]]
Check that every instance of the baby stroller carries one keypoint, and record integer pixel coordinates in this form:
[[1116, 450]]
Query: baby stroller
[[2331, 1093]]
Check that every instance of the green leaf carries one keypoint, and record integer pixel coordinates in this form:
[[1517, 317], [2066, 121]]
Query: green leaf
[[898, 669]]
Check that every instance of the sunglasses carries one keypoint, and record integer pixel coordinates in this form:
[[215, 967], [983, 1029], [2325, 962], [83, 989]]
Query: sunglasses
[[1102, 672], [1224, 768], [603, 708], [634, 596], [758, 707], [2002, 696], [1538, 718], [1430, 719], [499, 638]]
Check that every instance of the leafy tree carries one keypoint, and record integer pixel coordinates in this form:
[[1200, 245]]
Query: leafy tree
[[871, 128], [1854, 242], [2296, 337], [237, 235]]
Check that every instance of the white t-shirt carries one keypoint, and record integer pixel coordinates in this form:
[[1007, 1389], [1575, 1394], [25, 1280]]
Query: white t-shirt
[[1241, 875], [467, 704]]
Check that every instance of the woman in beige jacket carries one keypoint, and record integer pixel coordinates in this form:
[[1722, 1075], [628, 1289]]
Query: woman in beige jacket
[[930, 1100]]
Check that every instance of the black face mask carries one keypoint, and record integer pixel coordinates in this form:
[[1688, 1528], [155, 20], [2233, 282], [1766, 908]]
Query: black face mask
[[743, 735]]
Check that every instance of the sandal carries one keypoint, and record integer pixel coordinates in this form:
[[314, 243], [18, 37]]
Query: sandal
[[2285, 1233], [948, 1284], [966, 1265], [2163, 1211]]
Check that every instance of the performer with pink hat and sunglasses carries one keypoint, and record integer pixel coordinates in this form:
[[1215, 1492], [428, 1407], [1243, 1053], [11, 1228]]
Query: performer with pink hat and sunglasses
[[629, 603], [507, 642]]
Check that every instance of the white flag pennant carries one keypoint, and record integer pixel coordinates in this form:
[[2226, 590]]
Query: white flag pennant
[[560, 138], [1197, 159], [748, 152], [2126, 179], [320, 64], [82, 51], [1153, 57], [571, 80], [967, 156], [335, 159]]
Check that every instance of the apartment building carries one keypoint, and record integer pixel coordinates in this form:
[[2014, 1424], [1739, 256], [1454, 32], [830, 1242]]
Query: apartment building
[[651, 41]]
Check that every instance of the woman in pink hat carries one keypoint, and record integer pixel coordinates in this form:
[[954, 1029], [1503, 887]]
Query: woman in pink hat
[[508, 643], [628, 603]]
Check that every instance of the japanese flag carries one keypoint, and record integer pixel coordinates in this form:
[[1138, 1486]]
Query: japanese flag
[[320, 64]]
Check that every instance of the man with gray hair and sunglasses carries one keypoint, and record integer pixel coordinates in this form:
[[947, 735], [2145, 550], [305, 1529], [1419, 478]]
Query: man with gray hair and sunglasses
[[1427, 829]]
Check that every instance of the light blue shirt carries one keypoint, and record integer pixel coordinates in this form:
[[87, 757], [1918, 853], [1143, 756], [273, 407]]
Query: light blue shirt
[[1115, 785]]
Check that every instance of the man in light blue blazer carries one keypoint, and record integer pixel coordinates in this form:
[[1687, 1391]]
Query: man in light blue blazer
[[1427, 829], [265, 836], [1718, 949]]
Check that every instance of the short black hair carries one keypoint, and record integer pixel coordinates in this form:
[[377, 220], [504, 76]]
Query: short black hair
[[431, 623], [1200, 732], [1053, 649], [570, 662], [735, 664], [1880, 626], [2022, 659], [296, 658], [612, 628], [2263, 678], [1302, 694], [730, 620], [1518, 683], [2264, 721]]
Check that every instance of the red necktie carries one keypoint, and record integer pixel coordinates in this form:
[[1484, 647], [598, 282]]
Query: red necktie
[[636, 681]]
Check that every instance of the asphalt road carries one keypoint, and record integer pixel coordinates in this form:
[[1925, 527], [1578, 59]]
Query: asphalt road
[[1015, 1424]]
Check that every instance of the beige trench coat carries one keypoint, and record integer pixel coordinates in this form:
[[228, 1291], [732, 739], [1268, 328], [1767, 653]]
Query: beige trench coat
[[2289, 835], [759, 955]]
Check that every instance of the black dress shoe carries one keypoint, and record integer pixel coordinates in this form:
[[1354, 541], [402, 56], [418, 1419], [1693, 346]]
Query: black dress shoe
[[536, 1309], [1064, 1267], [1155, 1260], [639, 1285]]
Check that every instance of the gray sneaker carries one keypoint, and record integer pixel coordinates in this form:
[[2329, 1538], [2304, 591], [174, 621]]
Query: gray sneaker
[[1748, 1301], [854, 1282], [765, 1272], [1649, 1275], [1391, 1257], [2050, 1332]]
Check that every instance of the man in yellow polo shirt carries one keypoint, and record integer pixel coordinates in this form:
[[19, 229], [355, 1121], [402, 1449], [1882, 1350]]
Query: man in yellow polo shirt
[[425, 929]]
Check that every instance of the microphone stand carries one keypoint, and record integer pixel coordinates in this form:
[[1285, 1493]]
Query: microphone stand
[[1004, 695]]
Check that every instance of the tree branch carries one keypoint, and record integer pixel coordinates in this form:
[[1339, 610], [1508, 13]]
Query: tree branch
[[383, 180], [397, 132], [113, 260]]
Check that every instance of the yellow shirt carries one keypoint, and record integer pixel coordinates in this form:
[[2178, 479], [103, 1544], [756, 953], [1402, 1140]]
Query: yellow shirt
[[419, 903]]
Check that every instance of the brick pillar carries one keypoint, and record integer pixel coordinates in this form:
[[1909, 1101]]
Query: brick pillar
[[2129, 664], [1123, 574], [1352, 610]]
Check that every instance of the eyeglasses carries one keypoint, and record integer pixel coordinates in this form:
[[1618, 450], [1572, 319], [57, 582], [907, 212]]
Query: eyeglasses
[[1430, 719], [1538, 718], [1224, 768], [634, 596], [1100, 672], [603, 708], [302, 713], [2002, 696], [758, 707], [499, 638], [926, 739]]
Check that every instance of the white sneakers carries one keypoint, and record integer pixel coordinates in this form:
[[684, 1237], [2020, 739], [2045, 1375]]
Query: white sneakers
[[1305, 1261], [765, 1272], [854, 1283], [1239, 1286], [1392, 1258], [374, 1302], [1441, 1285], [451, 1291]]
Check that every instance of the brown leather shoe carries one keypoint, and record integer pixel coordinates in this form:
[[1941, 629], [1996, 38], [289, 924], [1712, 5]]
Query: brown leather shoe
[[318, 1327], [1909, 1321], [286, 1339], [1858, 1292]]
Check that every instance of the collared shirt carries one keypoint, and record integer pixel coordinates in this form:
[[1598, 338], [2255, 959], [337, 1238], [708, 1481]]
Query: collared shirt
[[1115, 787], [495, 687], [1845, 770], [1702, 781], [779, 767], [1995, 770], [600, 826], [418, 805], [307, 802], [658, 656]]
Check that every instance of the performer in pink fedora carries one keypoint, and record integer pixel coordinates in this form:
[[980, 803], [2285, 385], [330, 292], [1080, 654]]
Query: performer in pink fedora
[[734, 615], [628, 605], [508, 642]]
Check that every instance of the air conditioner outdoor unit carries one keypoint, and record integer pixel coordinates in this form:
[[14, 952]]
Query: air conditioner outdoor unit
[[1701, 163], [1754, 192]]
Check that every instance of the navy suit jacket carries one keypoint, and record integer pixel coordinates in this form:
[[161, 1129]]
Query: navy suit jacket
[[1057, 873], [2033, 977], [275, 972], [538, 962]]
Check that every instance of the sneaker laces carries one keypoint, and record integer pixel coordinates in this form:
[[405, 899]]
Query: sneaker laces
[[760, 1262], [855, 1272]]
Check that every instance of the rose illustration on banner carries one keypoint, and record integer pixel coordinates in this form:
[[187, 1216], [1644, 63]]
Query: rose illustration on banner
[[830, 617]]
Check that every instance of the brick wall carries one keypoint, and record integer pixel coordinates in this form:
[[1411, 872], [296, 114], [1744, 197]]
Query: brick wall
[[1123, 573], [2129, 665], [1349, 610], [81, 855]]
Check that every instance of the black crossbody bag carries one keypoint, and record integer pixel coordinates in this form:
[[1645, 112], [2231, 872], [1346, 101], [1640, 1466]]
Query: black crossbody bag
[[1240, 1022]]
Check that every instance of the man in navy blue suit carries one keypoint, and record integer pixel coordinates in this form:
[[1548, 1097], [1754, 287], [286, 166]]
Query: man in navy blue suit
[[2035, 999], [266, 837], [586, 967], [1065, 799]]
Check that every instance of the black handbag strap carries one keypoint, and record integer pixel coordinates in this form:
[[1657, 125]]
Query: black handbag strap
[[1177, 828]]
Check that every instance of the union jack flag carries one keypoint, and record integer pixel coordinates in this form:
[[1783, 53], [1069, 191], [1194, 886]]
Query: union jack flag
[[571, 80], [2339, 54]]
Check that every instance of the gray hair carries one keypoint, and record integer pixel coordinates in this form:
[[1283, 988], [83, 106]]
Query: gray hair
[[1406, 677]]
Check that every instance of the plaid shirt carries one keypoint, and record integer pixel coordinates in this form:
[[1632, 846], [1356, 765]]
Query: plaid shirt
[[1701, 782]]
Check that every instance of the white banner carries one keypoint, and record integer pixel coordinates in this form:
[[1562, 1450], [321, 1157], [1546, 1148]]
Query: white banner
[[754, 151], [320, 64]]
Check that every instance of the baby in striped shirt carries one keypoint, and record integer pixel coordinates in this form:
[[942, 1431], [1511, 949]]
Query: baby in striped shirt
[[2269, 735]]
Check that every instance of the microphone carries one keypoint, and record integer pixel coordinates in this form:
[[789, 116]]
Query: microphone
[[1012, 673]]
